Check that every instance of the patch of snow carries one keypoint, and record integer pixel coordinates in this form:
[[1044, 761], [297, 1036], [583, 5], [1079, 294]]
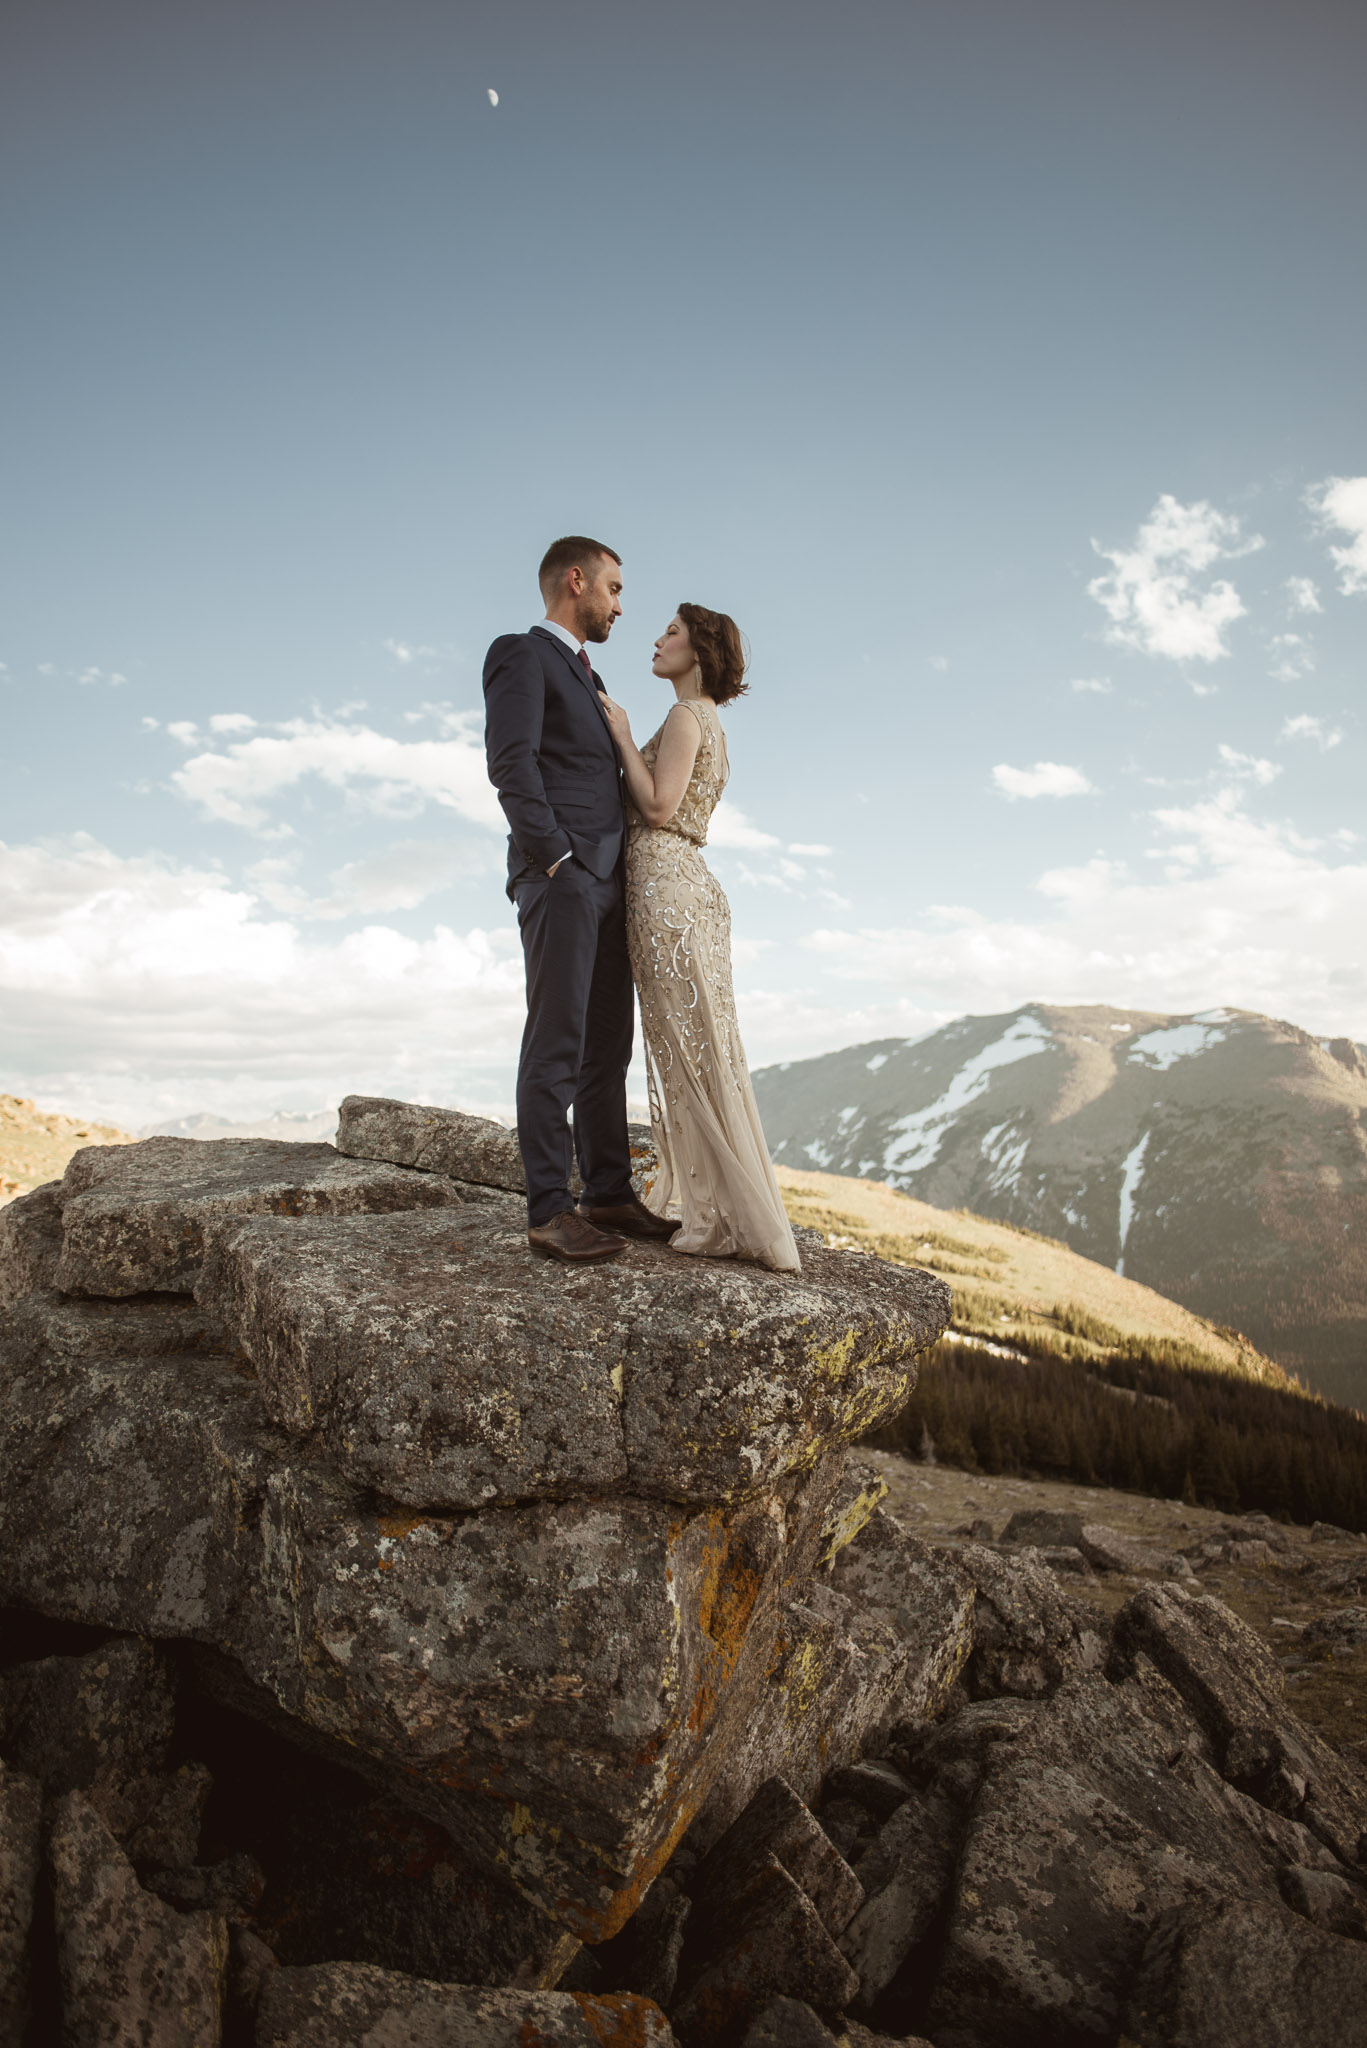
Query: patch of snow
[[1214, 1017], [1161, 1049], [818, 1153], [921, 1133], [1005, 1157], [1131, 1174], [1119, 1027], [780, 1145], [880, 1059], [846, 1114]]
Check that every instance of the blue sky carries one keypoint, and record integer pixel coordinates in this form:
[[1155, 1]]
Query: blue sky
[[1001, 370]]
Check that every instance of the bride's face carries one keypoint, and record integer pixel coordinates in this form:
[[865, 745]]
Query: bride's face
[[674, 654]]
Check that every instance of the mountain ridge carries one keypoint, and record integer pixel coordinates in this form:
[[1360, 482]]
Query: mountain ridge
[[1219, 1157]]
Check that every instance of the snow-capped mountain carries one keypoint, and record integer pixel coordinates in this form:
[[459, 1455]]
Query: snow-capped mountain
[[1220, 1158]]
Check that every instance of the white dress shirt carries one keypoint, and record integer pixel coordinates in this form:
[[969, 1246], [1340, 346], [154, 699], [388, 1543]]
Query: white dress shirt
[[576, 647]]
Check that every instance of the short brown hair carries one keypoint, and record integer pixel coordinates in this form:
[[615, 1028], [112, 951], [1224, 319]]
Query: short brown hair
[[575, 551], [721, 651]]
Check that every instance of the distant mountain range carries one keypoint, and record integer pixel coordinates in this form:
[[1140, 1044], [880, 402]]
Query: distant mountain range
[[1220, 1159], [300, 1126]]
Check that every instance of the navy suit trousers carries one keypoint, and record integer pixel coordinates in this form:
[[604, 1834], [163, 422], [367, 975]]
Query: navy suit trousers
[[577, 1045]]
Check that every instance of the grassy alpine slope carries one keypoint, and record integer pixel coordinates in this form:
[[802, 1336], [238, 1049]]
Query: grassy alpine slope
[[35, 1146], [1015, 1287], [1057, 1368]]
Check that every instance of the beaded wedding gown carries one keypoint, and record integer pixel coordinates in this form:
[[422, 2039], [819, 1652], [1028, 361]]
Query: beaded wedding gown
[[714, 1163]]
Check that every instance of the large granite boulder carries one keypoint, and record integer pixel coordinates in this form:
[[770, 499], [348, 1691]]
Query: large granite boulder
[[133, 1969], [353, 2005], [135, 1217], [444, 1363], [433, 1140], [474, 1150], [1234, 1686], [512, 1539]]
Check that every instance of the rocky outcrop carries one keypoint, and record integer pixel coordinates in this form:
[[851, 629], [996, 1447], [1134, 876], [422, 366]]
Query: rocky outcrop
[[135, 1219], [514, 1539], [393, 1613], [445, 1365], [351, 2005]]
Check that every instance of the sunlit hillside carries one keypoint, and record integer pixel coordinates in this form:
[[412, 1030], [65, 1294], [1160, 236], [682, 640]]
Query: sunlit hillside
[[1013, 1286], [35, 1145]]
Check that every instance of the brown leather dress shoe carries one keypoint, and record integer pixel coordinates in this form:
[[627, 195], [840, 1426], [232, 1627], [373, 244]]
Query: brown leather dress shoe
[[632, 1219], [570, 1236]]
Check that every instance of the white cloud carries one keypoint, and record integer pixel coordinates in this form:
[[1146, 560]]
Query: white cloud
[[1306, 727], [185, 730], [146, 988], [1046, 778], [405, 652], [399, 878], [231, 721], [1248, 767], [1250, 914], [811, 852], [393, 777], [1303, 594], [1150, 594], [1341, 502], [1096, 686], [732, 829], [110, 677], [1293, 658]]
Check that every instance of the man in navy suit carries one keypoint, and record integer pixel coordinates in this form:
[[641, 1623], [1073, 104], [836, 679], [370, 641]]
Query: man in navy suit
[[555, 765]]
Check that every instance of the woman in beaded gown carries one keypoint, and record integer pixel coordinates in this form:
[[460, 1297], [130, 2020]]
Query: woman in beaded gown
[[714, 1163]]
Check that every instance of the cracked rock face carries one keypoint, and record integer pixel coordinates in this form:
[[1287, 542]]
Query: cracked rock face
[[135, 1217], [511, 1538], [555, 1684], [445, 1364]]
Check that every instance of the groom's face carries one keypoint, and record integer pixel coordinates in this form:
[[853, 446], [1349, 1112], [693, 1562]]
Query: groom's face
[[600, 601]]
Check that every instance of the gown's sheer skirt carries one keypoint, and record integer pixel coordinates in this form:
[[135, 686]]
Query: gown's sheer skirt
[[714, 1163]]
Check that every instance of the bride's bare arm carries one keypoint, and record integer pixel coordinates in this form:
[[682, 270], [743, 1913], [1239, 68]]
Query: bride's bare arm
[[657, 795]]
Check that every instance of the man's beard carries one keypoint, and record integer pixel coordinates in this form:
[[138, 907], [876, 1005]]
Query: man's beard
[[598, 627]]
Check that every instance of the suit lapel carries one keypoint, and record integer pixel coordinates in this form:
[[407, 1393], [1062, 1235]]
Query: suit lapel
[[581, 675]]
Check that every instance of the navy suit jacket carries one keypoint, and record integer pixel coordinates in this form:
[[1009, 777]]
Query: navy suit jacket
[[551, 756]]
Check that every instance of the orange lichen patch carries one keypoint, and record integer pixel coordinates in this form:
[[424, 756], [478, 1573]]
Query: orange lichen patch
[[601, 1926], [618, 2019], [703, 1708], [393, 1529]]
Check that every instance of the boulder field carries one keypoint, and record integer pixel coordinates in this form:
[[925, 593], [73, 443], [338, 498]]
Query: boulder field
[[404, 1638]]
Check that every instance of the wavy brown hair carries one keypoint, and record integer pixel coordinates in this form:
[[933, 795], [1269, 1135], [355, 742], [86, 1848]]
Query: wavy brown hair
[[722, 654]]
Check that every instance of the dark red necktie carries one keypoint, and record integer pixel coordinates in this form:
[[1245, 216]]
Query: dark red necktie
[[588, 665]]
